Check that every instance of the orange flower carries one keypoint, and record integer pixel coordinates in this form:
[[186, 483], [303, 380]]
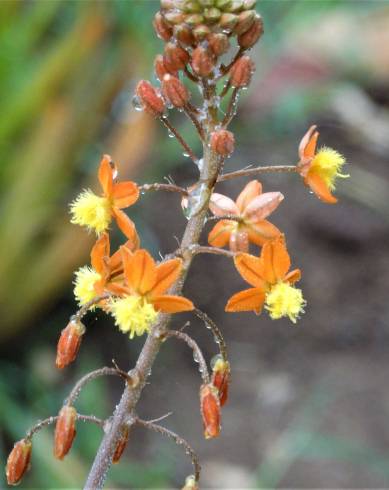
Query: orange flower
[[143, 295], [96, 212], [251, 208], [319, 168], [93, 281], [271, 281]]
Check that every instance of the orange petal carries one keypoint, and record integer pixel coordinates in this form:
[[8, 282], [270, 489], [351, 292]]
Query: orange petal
[[275, 259], [261, 206], [140, 270], [247, 300], [307, 146], [126, 225], [319, 187], [125, 194], [220, 233], [100, 251], [293, 276], [115, 261], [251, 190], [171, 304], [262, 232], [251, 269], [221, 205], [118, 289], [106, 175], [239, 241], [167, 273]]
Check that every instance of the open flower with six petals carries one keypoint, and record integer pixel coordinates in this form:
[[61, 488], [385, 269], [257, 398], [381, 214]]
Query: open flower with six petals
[[142, 297], [249, 212], [272, 283], [96, 212], [319, 168]]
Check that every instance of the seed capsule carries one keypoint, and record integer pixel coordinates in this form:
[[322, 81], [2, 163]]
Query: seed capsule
[[121, 445], [210, 410], [69, 343], [162, 28], [65, 431], [221, 379], [222, 142], [250, 37], [150, 98], [241, 72], [203, 61], [175, 91], [18, 461]]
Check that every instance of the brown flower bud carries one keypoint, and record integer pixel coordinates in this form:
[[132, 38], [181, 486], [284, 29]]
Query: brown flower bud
[[221, 378], [160, 68], [194, 19], [212, 15], [162, 28], [18, 461], [210, 410], [250, 37], [149, 98], [222, 142], [175, 57], [174, 17], [183, 34], [203, 61], [201, 32], [69, 343], [65, 431], [228, 21], [121, 445], [245, 21], [235, 6], [190, 483], [174, 91], [241, 72], [218, 43]]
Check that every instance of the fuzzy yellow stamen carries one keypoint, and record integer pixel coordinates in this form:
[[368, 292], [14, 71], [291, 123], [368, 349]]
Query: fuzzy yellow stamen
[[91, 211], [285, 300], [86, 277], [133, 315], [328, 163]]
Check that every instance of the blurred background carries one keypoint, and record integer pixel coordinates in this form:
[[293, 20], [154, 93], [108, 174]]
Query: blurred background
[[309, 404]]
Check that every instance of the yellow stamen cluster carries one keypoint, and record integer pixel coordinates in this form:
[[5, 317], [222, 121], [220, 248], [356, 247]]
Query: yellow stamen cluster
[[285, 300], [91, 211], [133, 315], [86, 277], [328, 163]]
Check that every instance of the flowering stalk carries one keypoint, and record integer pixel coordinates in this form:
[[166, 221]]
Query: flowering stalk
[[142, 294]]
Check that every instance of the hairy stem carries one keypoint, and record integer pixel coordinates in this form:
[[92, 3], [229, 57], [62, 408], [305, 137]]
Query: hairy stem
[[248, 172], [125, 410]]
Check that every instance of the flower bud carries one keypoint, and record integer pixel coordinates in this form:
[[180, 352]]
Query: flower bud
[[210, 410], [174, 17], [69, 343], [18, 461], [150, 98], [218, 43], [241, 72], [183, 34], [65, 431], [245, 21], [222, 142], [249, 4], [212, 15], [175, 91], [221, 378], [194, 19], [175, 57], [228, 21], [200, 32], [235, 6], [190, 483], [250, 37], [203, 61], [160, 68], [162, 28], [121, 445]]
